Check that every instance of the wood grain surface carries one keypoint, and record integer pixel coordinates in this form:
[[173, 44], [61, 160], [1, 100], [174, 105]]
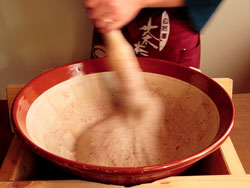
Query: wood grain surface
[[222, 181], [241, 132]]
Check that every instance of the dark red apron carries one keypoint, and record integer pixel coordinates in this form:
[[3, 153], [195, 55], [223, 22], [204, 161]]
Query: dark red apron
[[161, 34]]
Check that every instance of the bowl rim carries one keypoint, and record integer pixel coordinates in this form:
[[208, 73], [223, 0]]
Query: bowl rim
[[122, 170]]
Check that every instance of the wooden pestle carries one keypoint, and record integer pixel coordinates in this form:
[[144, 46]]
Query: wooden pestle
[[122, 60]]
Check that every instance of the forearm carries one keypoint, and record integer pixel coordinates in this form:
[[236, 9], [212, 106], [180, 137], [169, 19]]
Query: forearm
[[121, 12], [162, 3]]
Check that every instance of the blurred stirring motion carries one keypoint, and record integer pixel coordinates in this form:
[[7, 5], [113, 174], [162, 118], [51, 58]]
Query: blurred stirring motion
[[133, 135]]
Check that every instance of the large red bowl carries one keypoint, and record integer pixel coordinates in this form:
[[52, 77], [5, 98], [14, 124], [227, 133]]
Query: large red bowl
[[124, 175]]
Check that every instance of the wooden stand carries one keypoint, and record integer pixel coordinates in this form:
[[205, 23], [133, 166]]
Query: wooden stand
[[24, 169]]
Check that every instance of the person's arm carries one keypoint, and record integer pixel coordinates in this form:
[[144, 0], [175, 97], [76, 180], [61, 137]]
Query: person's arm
[[162, 3], [114, 14]]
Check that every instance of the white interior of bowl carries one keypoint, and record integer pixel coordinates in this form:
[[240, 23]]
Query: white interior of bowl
[[62, 113]]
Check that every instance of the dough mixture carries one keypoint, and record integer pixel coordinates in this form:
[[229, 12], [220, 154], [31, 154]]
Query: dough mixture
[[71, 109]]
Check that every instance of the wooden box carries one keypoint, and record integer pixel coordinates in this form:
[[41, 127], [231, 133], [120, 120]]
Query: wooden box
[[22, 168]]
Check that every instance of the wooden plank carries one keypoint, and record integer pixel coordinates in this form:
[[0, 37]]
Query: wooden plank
[[222, 181], [231, 158], [229, 153], [19, 162], [241, 131], [56, 184], [12, 91], [227, 84]]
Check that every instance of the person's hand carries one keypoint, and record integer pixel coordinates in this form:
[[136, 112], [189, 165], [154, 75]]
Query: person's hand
[[112, 14]]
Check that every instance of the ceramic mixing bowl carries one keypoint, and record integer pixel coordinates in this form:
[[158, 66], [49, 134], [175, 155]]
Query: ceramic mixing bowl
[[52, 109]]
